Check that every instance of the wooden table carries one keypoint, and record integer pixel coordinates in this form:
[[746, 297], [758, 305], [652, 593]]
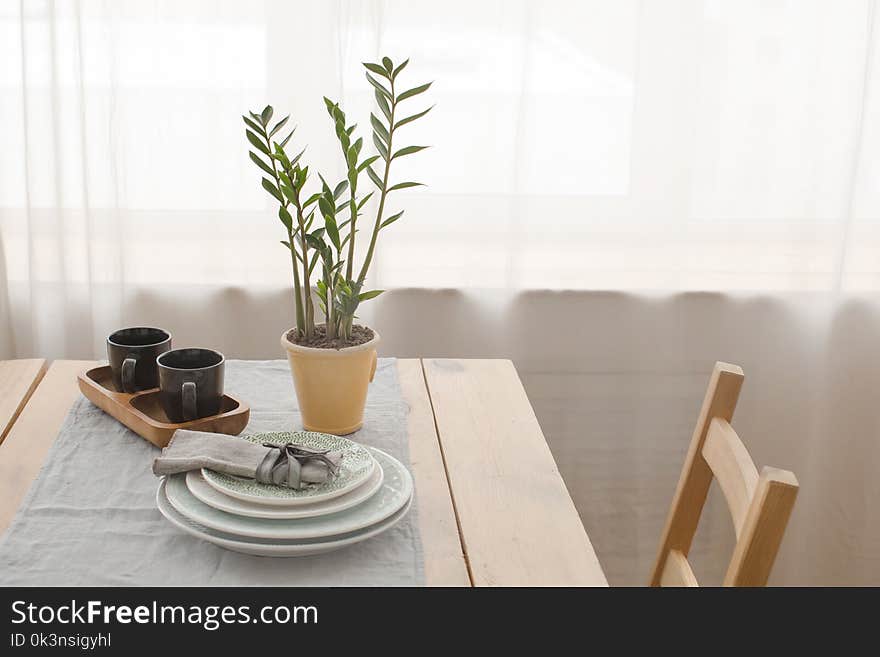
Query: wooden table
[[493, 509]]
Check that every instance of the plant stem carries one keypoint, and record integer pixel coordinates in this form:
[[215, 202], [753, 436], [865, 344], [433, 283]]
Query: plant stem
[[331, 315], [351, 226], [328, 308], [300, 316], [297, 292], [306, 282], [369, 257]]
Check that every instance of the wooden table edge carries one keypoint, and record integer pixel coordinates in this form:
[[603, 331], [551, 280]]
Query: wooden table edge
[[27, 443], [481, 480], [37, 369], [445, 561]]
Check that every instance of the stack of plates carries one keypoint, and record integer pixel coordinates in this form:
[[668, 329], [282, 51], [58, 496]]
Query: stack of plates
[[370, 493]]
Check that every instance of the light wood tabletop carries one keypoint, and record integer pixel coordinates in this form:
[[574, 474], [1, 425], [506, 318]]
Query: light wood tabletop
[[493, 509]]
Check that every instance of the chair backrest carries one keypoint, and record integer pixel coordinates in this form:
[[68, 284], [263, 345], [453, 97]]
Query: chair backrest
[[760, 504]]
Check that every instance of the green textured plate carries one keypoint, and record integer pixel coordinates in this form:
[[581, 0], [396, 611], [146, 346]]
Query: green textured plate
[[356, 467]]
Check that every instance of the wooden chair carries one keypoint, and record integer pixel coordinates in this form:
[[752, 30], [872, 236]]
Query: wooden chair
[[759, 503]]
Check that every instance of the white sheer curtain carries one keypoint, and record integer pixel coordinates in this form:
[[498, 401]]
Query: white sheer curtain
[[619, 151]]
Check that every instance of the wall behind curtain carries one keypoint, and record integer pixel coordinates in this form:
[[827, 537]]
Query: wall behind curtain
[[619, 194]]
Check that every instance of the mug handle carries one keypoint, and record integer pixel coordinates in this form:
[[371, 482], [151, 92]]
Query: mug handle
[[188, 397], [128, 375]]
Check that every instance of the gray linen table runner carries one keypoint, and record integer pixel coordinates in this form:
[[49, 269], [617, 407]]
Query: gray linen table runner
[[90, 518]]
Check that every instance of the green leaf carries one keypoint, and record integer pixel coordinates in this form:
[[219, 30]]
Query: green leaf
[[380, 146], [409, 150], [287, 138], [363, 165], [378, 127], [372, 294], [375, 68], [279, 125], [257, 143], [253, 125], [285, 179], [415, 91], [390, 220], [340, 190], [399, 69], [388, 64], [296, 158], [266, 115], [270, 187], [351, 158], [316, 239], [265, 167], [281, 156], [364, 200], [404, 185], [332, 230], [383, 104], [301, 175], [289, 193], [373, 81], [412, 118], [375, 178], [327, 208], [286, 219], [286, 243]]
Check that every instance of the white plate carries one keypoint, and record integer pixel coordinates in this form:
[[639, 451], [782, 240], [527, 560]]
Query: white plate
[[269, 548], [212, 497], [356, 467], [395, 492]]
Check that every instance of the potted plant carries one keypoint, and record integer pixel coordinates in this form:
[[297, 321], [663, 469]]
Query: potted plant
[[333, 361]]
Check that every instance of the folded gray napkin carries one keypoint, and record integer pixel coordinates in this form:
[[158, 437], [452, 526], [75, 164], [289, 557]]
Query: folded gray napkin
[[286, 465]]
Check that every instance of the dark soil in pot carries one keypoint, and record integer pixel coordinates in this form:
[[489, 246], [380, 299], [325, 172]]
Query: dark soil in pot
[[319, 340]]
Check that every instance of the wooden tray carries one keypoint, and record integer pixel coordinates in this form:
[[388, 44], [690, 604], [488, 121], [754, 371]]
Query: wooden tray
[[143, 414]]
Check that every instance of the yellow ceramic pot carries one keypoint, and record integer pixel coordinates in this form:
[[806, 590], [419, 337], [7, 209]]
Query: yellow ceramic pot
[[331, 384]]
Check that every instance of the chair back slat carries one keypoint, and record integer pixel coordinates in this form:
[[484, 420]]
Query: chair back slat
[[763, 529], [733, 468], [677, 571], [693, 484], [760, 505]]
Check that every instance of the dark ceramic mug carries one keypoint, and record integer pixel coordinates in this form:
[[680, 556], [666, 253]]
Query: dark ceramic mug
[[132, 353], [190, 383]]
